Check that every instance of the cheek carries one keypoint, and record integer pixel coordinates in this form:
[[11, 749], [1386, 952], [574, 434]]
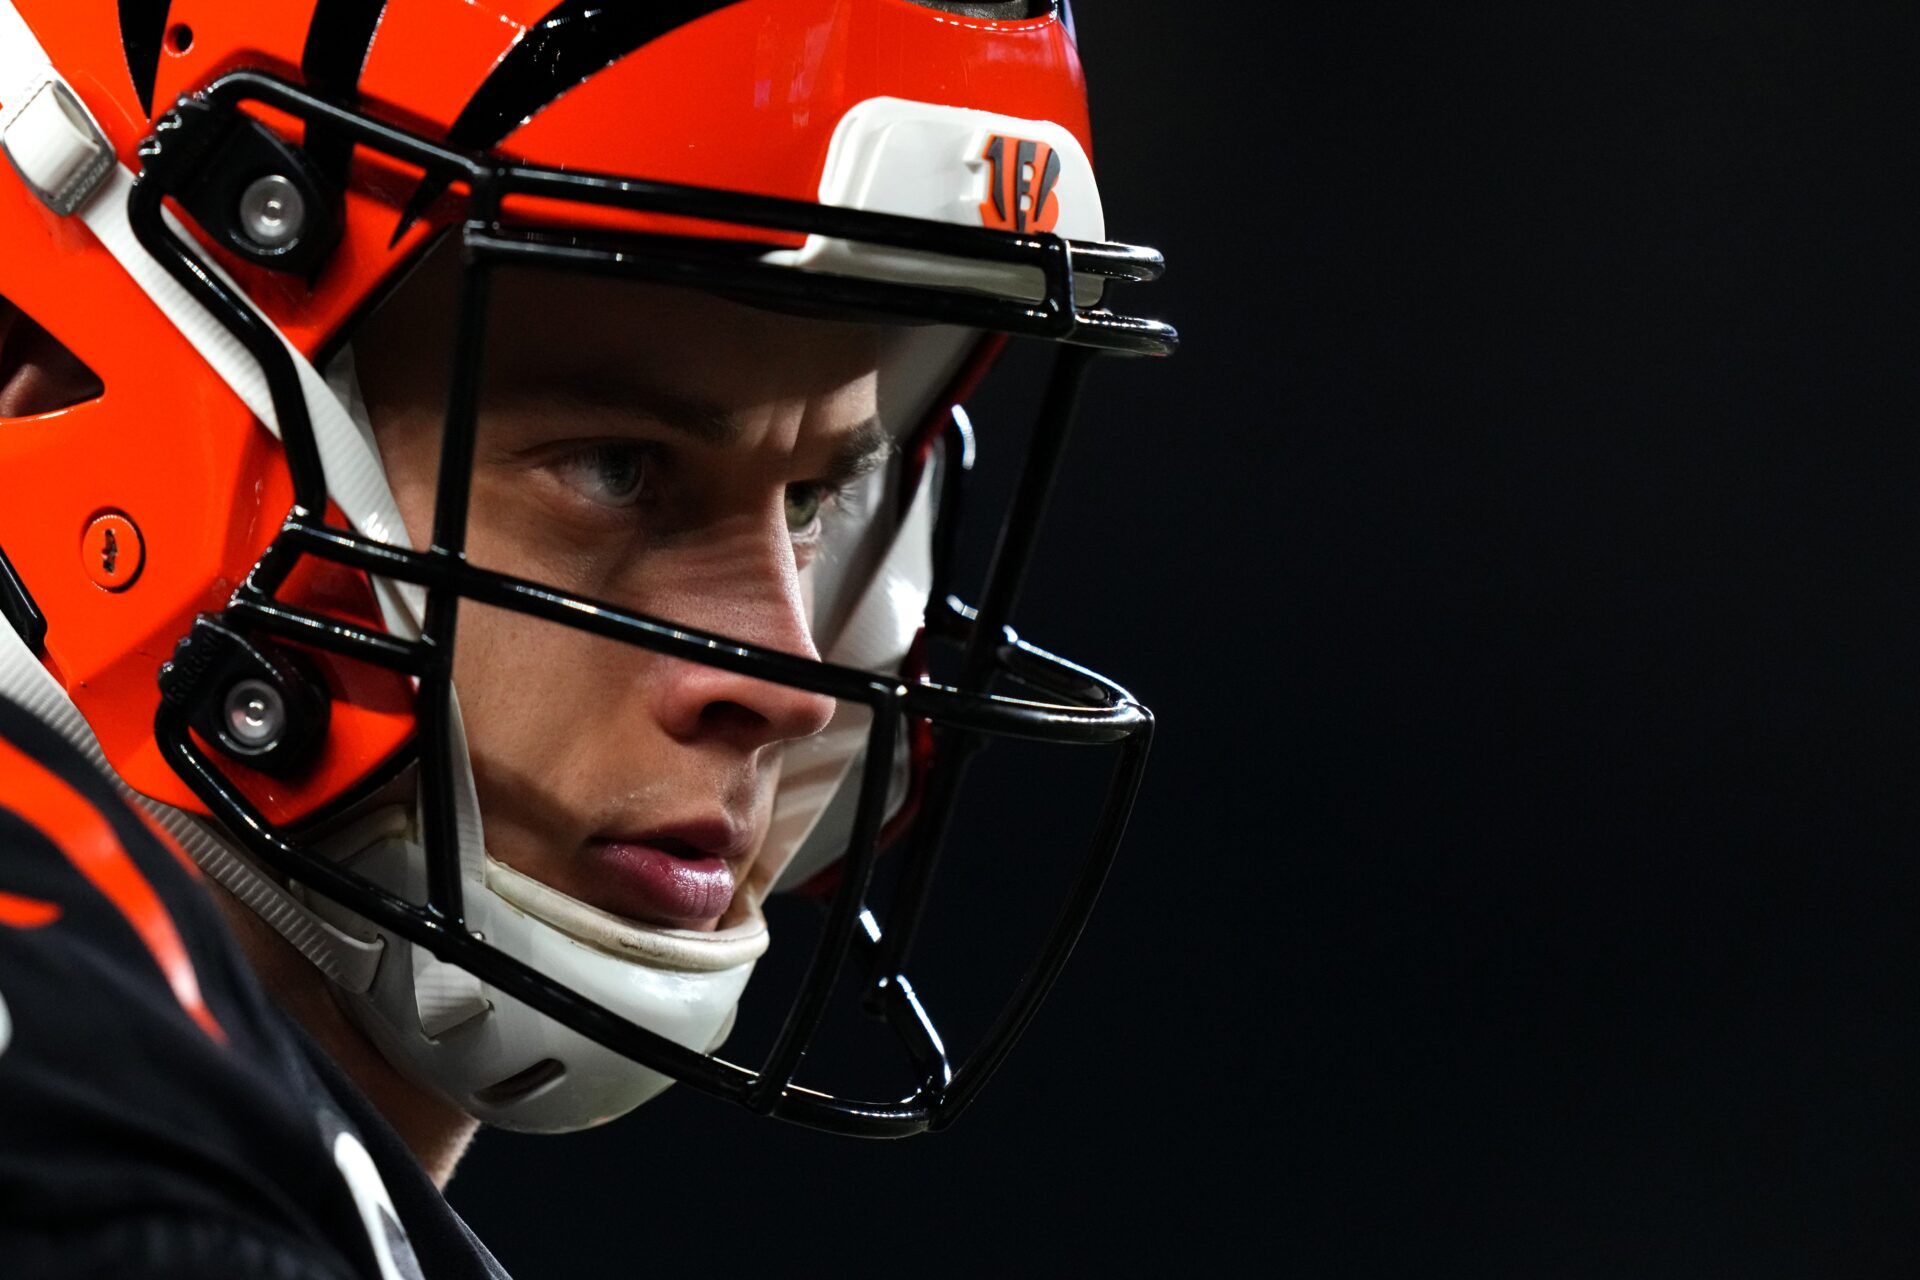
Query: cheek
[[522, 680], [555, 719]]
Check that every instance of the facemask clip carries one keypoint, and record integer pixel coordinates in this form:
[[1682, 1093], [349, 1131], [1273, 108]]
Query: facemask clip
[[261, 706]]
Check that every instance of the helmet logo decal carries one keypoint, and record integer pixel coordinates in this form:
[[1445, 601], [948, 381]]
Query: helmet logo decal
[[1021, 177]]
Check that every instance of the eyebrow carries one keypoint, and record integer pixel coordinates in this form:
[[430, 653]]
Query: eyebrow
[[701, 420], [857, 453], [860, 453]]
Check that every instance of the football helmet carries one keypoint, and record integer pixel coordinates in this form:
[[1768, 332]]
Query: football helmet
[[208, 579]]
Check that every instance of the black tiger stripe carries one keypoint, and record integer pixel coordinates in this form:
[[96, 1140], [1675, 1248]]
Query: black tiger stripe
[[143, 26], [338, 40], [574, 42]]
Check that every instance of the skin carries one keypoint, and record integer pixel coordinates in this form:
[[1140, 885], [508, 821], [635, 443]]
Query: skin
[[37, 374], [664, 451], [669, 457], [668, 452]]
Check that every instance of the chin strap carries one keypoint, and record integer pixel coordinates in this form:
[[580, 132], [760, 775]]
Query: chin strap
[[349, 962]]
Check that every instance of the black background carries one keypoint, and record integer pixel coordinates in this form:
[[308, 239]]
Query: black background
[[1518, 556]]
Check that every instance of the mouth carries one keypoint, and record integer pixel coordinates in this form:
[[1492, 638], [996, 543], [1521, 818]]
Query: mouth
[[681, 877]]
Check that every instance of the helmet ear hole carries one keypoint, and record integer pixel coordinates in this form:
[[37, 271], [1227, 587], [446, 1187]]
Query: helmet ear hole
[[39, 373]]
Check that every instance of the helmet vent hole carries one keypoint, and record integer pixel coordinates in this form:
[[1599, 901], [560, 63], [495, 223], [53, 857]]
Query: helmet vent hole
[[179, 38], [39, 373], [522, 1085]]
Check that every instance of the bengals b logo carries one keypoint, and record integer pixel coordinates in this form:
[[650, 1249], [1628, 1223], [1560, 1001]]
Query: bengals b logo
[[1021, 176]]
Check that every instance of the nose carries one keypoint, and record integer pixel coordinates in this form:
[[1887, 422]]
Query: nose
[[763, 607]]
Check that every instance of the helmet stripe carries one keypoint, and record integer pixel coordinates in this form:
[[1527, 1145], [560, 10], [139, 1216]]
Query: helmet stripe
[[576, 41], [143, 24], [338, 39]]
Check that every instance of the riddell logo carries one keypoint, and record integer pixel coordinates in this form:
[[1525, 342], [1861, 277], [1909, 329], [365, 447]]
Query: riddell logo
[[1021, 176]]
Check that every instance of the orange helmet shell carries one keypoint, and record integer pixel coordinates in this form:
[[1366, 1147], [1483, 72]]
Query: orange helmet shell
[[741, 96]]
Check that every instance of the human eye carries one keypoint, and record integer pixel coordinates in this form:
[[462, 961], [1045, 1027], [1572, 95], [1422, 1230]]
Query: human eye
[[805, 503], [612, 473]]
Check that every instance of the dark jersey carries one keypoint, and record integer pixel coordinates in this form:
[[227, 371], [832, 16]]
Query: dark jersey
[[159, 1117]]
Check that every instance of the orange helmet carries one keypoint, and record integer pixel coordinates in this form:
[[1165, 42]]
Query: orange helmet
[[208, 579]]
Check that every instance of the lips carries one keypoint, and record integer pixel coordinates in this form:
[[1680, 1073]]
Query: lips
[[665, 879]]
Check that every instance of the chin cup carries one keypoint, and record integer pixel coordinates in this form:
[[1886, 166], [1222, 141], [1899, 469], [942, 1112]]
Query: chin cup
[[264, 707]]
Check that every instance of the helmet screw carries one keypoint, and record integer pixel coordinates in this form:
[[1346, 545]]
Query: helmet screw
[[256, 715], [273, 213]]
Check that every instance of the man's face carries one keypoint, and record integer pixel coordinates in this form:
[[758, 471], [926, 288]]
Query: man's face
[[668, 452]]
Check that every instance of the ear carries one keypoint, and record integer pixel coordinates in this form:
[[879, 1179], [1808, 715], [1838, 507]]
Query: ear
[[37, 373]]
